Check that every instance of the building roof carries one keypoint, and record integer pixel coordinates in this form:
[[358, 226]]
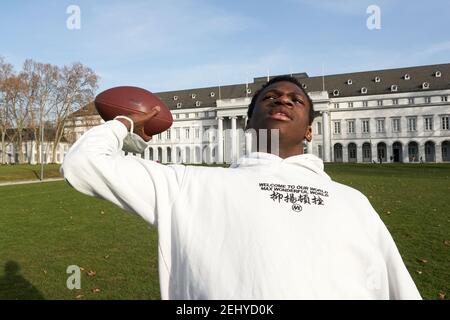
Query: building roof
[[387, 78], [87, 110], [409, 79]]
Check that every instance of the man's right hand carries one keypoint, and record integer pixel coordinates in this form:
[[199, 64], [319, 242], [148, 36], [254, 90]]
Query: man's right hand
[[139, 121]]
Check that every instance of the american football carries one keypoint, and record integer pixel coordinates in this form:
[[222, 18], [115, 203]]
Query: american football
[[128, 100]]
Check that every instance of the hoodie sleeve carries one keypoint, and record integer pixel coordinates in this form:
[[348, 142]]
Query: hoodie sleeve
[[401, 284], [96, 167]]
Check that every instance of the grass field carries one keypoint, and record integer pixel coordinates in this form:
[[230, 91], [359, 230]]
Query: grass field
[[46, 227], [27, 172]]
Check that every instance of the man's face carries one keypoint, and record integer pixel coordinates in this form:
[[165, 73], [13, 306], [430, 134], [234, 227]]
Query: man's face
[[283, 106]]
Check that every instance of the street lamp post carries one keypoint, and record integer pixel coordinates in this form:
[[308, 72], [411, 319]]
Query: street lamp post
[[42, 151]]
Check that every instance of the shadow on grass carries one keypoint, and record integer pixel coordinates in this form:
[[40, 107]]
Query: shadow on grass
[[37, 174], [14, 286]]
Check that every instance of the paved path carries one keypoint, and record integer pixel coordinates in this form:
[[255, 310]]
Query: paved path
[[10, 183]]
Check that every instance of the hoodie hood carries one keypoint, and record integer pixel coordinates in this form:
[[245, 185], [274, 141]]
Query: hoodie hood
[[308, 161]]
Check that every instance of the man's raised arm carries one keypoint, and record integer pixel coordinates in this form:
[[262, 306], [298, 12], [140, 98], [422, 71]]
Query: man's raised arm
[[96, 166]]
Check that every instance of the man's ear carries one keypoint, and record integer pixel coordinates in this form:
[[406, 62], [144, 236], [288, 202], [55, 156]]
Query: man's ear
[[308, 134]]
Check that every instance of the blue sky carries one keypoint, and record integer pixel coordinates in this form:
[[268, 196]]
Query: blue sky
[[174, 44]]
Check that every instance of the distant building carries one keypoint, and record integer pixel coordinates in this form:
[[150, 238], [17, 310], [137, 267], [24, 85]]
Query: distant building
[[31, 154], [393, 115]]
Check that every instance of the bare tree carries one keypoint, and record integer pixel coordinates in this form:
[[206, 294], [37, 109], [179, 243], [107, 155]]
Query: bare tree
[[15, 89], [44, 79], [76, 87], [6, 71], [41, 95]]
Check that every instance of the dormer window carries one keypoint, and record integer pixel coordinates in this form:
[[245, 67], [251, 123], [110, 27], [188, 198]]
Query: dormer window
[[175, 98], [377, 79], [438, 74], [363, 90], [406, 76], [212, 94], [304, 86], [425, 85], [394, 88], [249, 90], [198, 103], [193, 96], [179, 104], [349, 81], [335, 92]]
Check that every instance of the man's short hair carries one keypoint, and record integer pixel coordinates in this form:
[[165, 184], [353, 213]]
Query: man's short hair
[[287, 78]]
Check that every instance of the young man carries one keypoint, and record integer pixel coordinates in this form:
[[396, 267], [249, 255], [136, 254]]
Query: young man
[[269, 227]]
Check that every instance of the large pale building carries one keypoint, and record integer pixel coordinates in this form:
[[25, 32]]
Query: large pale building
[[393, 115]]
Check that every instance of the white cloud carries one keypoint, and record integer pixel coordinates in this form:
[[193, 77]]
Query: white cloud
[[433, 50], [157, 27], [215, 74], [346, 7]]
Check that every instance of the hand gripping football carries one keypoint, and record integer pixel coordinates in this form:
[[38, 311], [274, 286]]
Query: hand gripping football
[[131, 100]]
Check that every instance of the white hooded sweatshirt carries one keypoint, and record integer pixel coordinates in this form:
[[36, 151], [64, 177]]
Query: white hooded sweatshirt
[[266, 228]]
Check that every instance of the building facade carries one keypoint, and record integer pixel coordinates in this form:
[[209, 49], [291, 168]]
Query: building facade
[[393, 115], [30, 150]]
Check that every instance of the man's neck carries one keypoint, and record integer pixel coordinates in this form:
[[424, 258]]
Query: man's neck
[[284, 152]]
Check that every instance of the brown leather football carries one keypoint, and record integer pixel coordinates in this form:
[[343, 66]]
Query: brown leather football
[[128, 100]]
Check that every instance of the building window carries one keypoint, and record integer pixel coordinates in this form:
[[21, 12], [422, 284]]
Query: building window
[[365, 126], [380, 125], [319, 151], [379, 103], [428, 123], [412, 124], [365, 103], [337, 127], [445, 122], [319, 128], [411, 100], [187, 133], [367, 153], [177, 133], [351, 126], [168, 134], [444, 98], [394, 101], [350, 104], [427, 99], [336, 105], [396, 125], [352, 153], [159, 136], [197, 133]]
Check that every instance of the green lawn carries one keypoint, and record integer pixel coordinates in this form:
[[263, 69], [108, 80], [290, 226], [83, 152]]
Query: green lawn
[[46, 227], [27, 172]]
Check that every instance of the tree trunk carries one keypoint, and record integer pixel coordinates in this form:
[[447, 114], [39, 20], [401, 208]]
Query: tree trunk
[[3, 147]]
